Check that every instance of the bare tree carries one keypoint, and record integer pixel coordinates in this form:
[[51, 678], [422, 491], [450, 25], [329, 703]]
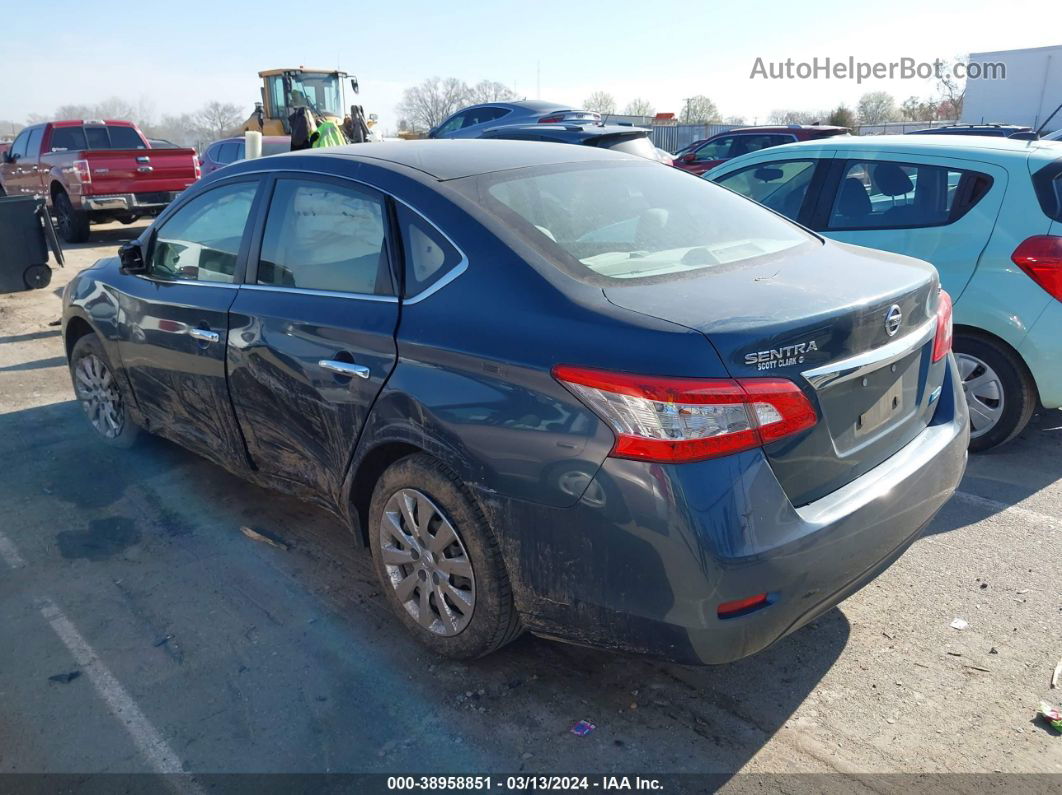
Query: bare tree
[[783, 116], [219, 119], [917, 109], [602, 102], [736, 120], [9, 129], [428, 104], [489, 91], [639, 107], [876, 107], [182, 129], [700, 109], [952, 91]]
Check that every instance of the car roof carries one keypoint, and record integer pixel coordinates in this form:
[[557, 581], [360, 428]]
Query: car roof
[[270, 138], [782, 128], [445, 159], [925, 144], [537, 105]]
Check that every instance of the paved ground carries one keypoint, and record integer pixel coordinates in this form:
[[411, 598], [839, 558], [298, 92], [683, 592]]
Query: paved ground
[[200, 649]]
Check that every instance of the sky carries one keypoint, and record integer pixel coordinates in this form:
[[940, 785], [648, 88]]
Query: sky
[[174, 57]]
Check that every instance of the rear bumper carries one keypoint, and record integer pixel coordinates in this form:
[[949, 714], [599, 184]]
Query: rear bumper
[[128, 202], [644, 560], [1042, 351]]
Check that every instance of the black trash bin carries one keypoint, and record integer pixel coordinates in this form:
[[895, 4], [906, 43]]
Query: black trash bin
[[26, 234]]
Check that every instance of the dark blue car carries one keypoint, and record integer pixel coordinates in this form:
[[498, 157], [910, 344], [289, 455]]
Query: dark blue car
[[554, 388]]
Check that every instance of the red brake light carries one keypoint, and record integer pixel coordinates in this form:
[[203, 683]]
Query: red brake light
[[942, 342], [198, 168], [556, 118], [83, 172], [1040, 257], [689, 419]]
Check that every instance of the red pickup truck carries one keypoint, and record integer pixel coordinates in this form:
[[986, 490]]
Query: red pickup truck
[[94, 171]]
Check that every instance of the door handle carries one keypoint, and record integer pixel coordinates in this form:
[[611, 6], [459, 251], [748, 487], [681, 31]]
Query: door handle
[[349, 369], [203, 335]]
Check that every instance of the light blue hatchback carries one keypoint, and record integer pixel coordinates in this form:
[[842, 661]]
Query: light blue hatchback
[[987, 212]]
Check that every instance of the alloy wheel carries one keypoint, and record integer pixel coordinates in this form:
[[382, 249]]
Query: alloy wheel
[[99, 396], [427, 563], [984, 393]]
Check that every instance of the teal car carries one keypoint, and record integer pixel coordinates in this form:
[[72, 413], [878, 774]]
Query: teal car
[[987, 212]]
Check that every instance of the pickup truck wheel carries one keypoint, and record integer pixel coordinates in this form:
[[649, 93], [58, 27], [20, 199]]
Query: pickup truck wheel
[[438, 560], [100, 394], [73, 224], [999, 392]]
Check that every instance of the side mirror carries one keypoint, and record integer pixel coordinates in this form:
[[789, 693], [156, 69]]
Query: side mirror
[[10, 158], [354, 84], [689, 157], [132, 258]]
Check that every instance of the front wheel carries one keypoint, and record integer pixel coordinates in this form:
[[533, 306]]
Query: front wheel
[[100, 394], [999, 392], [438, 560]]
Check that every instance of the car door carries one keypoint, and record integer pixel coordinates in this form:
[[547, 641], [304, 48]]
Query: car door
[[175, 319], [790, 186], [934, 208], [33, 171], [313, 329]]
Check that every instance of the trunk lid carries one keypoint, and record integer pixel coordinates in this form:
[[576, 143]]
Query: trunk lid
[[818, 318]]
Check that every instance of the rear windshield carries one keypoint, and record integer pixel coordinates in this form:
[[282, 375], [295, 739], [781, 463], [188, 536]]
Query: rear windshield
[[640, 146], [275, 147], [618, 221], [95, 136], [1048, 184]]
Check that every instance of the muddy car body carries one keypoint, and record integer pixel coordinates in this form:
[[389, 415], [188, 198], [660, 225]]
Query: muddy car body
[[554, 388]]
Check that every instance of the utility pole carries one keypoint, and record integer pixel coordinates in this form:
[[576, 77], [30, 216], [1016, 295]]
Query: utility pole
[[538, 80], [688, 100]]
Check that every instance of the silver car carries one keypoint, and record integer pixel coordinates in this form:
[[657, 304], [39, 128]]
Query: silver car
[[471, 122]]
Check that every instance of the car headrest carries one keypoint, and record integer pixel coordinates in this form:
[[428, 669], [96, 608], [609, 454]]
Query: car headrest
[[891, 179], [852, 200]]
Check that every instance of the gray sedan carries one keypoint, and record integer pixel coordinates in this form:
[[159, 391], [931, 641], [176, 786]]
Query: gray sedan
[[473, 121]]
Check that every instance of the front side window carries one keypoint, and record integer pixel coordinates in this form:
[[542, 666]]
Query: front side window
[[884, 194], [632, 219], [201, 241], [781, 185], [324, 236], [719, 149], [18, 148]]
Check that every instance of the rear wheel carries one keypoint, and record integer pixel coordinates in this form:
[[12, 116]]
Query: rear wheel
[[999, 392], [438, 560], [37, 276], [73, 224], [100, 394]]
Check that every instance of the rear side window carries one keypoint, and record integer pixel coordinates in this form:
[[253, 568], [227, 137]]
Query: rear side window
[[719, 149], [68, 139], [482, 115], [325, 236], [780, 185], [889, 195], [33, 148], [743, 144], [428, 255]]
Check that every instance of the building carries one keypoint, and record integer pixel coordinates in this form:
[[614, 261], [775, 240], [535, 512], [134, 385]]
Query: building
[[1031, 90]]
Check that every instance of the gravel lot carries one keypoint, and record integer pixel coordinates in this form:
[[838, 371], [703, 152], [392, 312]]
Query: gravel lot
[[199, 648]]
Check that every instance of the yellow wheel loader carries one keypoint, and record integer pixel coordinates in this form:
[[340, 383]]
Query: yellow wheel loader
[[289, 91]]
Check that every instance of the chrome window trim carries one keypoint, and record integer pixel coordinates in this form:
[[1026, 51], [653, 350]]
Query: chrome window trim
[[192, 282], [434, 287], [279, 288], [864, 363]]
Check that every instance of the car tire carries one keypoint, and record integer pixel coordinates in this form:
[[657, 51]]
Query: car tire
[[100, 393], [999, 391], [73, 224], [416, 505]]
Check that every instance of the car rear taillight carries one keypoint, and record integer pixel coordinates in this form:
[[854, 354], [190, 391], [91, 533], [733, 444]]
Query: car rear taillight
[[83, 172], [198, 168], [556, 118], [742, 607], [672, 420], [942, 341], [1040, 257]]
